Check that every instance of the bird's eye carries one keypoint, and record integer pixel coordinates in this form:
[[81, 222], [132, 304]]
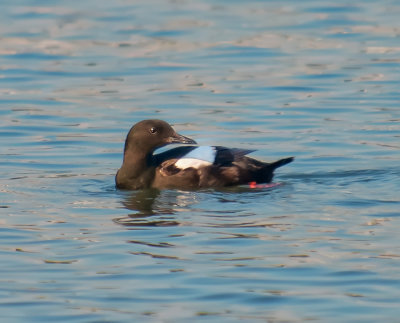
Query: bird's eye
[[153, 130]]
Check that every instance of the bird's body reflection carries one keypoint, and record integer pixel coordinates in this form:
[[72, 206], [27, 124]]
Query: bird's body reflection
[[153, 207]]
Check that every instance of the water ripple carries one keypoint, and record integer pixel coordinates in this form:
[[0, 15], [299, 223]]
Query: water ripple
[[296, 78]]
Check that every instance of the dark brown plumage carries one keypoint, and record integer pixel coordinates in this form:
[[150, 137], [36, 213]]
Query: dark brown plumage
[[185, 167]]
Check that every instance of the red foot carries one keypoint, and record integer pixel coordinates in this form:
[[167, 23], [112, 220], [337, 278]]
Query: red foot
[[255, 185]]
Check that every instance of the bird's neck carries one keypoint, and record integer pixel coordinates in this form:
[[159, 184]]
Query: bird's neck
[[136, 169]]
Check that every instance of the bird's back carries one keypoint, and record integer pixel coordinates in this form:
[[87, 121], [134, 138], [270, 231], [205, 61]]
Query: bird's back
[[204, 167]]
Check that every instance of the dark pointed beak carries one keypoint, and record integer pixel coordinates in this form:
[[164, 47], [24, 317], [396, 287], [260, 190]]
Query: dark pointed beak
[[179, 139]]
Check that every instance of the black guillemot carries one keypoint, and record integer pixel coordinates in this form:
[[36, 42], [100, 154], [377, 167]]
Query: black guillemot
[[185, 167]]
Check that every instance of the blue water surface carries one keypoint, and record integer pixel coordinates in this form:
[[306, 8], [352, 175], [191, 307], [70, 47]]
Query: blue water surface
[[310, 79]]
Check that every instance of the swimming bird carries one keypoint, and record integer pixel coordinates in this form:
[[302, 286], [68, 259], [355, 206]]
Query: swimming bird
[[185, 167]]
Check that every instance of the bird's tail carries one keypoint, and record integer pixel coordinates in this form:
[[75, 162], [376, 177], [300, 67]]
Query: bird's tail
[[280, 162]]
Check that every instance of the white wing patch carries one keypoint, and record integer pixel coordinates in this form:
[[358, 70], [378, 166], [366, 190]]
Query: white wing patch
[[184, 163], [199, 157]]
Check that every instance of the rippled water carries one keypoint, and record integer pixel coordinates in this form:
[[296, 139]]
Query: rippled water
[[312, 79]]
